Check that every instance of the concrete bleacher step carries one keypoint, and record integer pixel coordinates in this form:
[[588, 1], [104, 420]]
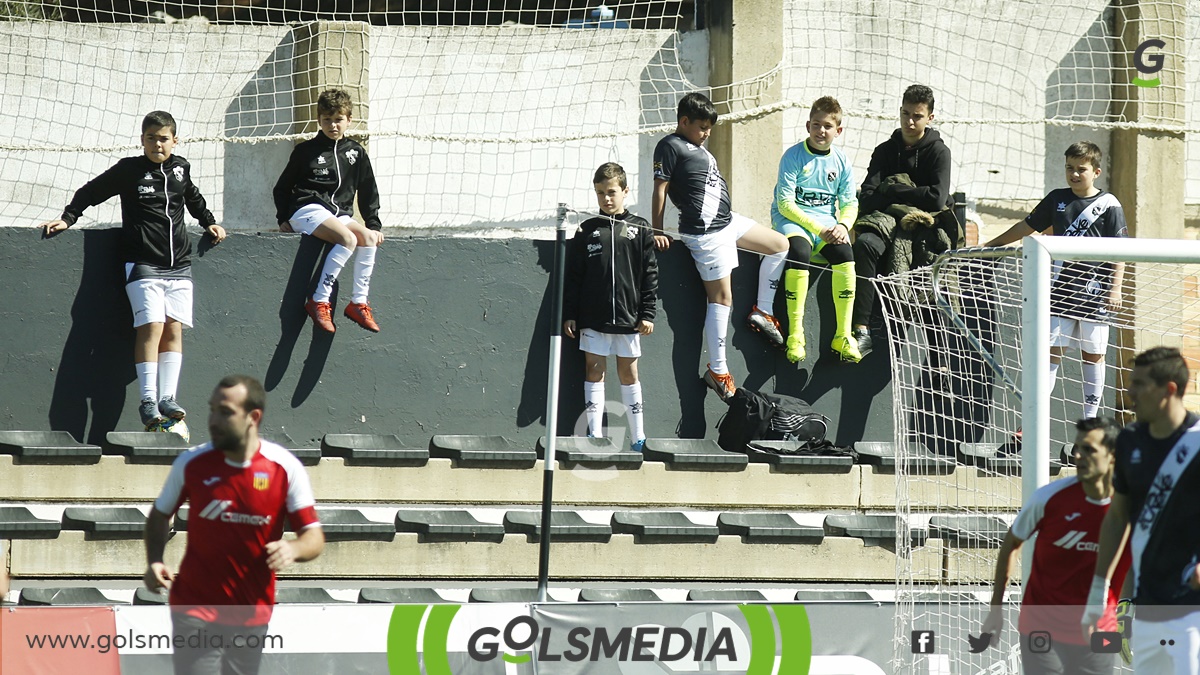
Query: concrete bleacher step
[[400, 596], [696, 454], [822, 595], [304, 595], [47, 447], [791, 463], [618, 595], [495, 452], [504, 595], [60, 597], [447, 525], [145, 447], [564, 526], [145, 596], [882, 456], [103, 523], [725, 595], [873, 530], [998, 459], [963, 531], [353, 525], [373, 450], [768, 528], [662, 527], [307, 456], [583, 451], [17, 522]]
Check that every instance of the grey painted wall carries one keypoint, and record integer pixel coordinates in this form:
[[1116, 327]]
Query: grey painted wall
[[464, 346]]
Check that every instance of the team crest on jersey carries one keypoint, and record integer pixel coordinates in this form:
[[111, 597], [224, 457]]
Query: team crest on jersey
[[352, 156], [261, 481], [178, 171], [1135, 457], [630, 232], [147, 176], [831, 176]]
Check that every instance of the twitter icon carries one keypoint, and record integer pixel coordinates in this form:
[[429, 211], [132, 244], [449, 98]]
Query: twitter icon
[[978, 644]]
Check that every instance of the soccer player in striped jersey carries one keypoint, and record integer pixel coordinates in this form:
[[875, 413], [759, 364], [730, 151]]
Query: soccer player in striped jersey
[[1066, 515], [686, 172], [815, 207]]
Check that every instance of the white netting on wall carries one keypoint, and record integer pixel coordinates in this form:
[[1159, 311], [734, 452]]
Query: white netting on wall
[[956, 375], [485, 114]]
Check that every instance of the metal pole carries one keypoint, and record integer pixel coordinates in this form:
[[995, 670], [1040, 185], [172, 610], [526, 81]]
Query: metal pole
[[551, 459], [1035, 375]]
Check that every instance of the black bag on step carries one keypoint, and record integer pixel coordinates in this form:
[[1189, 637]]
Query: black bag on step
[[755, 416]]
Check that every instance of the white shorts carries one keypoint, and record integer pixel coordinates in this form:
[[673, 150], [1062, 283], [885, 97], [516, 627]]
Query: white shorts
[[153, 300], [628, 345], [308, 217], [716, 253], [1179, 656], [1090, 336]]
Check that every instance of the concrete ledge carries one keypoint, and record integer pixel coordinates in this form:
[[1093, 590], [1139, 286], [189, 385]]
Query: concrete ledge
[[835, 559]]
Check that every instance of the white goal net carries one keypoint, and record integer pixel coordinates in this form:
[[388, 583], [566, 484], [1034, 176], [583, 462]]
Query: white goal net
[[962, 347]]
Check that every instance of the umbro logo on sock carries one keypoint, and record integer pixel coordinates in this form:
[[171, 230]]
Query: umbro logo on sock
[[774, 284], [1092, 398], [590, 406], [328, 280], [846, 294], [636, 408]]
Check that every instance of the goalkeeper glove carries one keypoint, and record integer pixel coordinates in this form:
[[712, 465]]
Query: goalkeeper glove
[[1125, 628]]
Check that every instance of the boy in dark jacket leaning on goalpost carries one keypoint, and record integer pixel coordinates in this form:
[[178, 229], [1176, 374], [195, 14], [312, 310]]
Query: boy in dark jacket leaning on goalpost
[[609, 299]]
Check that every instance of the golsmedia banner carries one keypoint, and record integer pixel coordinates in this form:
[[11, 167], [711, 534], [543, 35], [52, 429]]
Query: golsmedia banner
[[473, 639]]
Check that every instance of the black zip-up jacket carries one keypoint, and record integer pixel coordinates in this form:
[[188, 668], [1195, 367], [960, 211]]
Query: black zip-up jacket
[[928, 165], [612, 275], [153, 197], [328, 172]]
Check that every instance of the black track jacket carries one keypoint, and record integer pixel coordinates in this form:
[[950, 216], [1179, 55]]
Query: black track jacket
[[612, 275], [153, 197], [328, 172]]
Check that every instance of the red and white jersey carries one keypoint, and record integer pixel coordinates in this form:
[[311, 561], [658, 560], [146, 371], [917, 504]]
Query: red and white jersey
[[235, 510], [1067, 523]]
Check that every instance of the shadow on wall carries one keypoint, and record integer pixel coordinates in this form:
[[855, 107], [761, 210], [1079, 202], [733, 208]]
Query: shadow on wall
[[97, 358], [306, 267]]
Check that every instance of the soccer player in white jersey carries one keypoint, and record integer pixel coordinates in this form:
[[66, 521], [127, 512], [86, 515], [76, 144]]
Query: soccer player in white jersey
[[687, 173]]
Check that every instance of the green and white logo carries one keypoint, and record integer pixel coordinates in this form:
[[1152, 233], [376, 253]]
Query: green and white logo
[[1148, 65], [779, 641]]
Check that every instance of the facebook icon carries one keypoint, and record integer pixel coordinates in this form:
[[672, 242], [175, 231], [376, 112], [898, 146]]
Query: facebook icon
[[922, 642]]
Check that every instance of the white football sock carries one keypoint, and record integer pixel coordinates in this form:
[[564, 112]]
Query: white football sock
[[364, 264], [169, 365], [768, 280], [631, 394], [147, 374], [1093, 388], [593, 407], [334, 263], [716, 327]]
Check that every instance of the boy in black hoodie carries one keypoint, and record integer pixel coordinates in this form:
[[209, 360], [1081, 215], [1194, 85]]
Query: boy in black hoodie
[[919, 153], [154, 187], [315, 196], [609, 300]]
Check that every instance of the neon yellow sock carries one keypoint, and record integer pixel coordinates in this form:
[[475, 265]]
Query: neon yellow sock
[[843, 295], [795, 287]]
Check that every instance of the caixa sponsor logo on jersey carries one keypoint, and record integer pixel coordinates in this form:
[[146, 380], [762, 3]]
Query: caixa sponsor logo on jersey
[[643, 643], [218, 509], [1074, 540]]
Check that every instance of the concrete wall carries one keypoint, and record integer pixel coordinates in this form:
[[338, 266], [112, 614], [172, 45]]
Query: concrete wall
[[464, 347]]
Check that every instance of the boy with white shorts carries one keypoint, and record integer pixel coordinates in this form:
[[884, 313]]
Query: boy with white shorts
[[315, 196], [1084, 294], [609, 300], [687, 173], [154, 188]]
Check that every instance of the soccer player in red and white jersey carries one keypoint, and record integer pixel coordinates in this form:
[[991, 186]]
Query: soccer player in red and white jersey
[[240, 489], [1066, 515]]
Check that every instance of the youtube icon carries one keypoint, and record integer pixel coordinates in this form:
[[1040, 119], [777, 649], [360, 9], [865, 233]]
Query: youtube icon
[[1106, 642]]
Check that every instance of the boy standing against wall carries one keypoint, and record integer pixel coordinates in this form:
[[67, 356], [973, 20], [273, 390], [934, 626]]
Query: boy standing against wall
[[154, 188]]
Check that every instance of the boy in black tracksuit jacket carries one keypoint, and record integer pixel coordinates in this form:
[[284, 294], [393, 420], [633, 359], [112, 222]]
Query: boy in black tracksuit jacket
[[154, 187], [919, 153], [609, 299], [315, 196]]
